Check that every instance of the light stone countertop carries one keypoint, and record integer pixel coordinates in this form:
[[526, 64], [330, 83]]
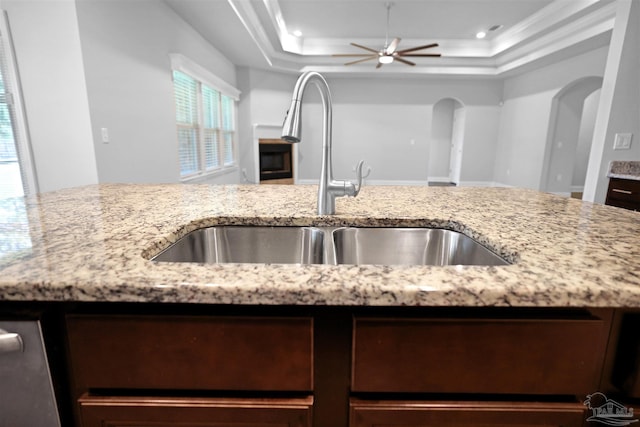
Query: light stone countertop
[[624, 170], [92, 244]]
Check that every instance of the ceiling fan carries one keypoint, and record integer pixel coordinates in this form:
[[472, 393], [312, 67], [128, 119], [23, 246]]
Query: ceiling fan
[[389, 52]]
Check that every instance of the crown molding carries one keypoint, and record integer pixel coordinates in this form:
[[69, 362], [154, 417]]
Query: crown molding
[[556, 28]]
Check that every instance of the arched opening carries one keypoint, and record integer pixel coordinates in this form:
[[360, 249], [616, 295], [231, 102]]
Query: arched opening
[[447, 141], [573, 116]]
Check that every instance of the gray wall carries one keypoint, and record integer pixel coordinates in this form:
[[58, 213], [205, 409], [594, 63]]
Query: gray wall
[[126, 47], [49, 59], [526, 115], [619, 109], [386, 122]]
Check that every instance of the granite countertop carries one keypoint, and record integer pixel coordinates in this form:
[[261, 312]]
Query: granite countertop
[[93, 243], [624, 170]]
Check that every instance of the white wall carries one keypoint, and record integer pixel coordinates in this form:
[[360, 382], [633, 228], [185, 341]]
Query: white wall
[[566, 121], [619, 109], [49, 57], [386, 122], [126, 46], [265, 98], [585, 137], [482, 123], [526, 114], [441, 131]]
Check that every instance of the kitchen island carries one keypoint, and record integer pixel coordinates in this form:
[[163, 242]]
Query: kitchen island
[[94, 243], [327, 345]]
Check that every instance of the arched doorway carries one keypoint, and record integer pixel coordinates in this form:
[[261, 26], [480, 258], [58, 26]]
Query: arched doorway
[[573, 115], [447, 141]]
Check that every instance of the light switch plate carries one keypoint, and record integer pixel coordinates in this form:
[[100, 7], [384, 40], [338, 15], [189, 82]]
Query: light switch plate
[[622, 141], [105, 135]]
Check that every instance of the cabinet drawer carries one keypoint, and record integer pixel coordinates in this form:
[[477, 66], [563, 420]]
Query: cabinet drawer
[[624, 193], [191, 412], [465, 414], [194, 353], [477, 355]]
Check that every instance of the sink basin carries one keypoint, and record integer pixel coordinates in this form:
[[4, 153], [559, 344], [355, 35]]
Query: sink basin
[[239, 244], [328, 245], [409, 246]]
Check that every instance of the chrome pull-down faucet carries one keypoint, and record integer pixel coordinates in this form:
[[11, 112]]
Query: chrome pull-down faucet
[[329, 188]]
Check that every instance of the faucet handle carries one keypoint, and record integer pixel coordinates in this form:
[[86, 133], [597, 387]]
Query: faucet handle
[[358, 186]]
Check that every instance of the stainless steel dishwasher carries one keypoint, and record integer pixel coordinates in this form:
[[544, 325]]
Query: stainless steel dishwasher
[[26, 390]]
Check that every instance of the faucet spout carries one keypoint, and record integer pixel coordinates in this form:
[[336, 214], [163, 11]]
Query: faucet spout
[[329, 188]]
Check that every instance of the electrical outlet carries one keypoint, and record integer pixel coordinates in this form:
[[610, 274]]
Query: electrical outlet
[[622, 141]]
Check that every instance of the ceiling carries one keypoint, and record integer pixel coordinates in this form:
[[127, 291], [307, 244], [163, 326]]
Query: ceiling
[[260, 33]]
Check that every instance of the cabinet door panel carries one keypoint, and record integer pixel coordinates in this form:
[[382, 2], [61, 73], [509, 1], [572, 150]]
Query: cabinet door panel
[[624, 193], [190, 412], [465, 414], [193, 353], [478, 355]]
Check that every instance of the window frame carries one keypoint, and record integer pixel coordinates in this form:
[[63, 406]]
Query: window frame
[[203, 77], [14, 100]]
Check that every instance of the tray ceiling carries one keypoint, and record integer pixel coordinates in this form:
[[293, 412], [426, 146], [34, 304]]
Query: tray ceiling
[[260, 33]]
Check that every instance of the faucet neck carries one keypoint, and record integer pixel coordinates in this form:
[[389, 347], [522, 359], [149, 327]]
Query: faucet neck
[[292, 131], [326, 198]]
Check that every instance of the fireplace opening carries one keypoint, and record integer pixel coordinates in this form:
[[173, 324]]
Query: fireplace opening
[[276, 166]]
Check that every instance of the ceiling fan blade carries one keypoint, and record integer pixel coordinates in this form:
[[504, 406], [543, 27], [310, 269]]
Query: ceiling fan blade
[[392, 46], [355, 55], [420, 54], [427, 46], [362, 60], [404, 61], [364, 47]]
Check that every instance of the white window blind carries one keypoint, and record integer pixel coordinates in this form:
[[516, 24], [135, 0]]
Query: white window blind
[[205, 118], [17, 172]]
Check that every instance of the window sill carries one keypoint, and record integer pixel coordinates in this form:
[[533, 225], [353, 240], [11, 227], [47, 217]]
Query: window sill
[[194, 179]]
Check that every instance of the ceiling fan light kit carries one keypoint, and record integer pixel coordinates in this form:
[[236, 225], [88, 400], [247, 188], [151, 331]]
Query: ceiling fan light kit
[[389, 52]]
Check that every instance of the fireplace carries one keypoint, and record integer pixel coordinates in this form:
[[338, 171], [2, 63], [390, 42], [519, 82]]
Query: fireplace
[[276, 166]]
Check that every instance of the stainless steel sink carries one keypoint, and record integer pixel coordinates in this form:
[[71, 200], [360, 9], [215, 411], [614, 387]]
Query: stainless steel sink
[[409, 246], [239, 244], [328, 245]]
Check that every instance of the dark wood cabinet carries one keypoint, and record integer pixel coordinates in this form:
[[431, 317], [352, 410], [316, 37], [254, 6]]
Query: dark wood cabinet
[[492, 371], [490, 356], [191, 412], [465, 414], [192, 353], [171, 361], [624, 193], [337, 367], [626, 372]]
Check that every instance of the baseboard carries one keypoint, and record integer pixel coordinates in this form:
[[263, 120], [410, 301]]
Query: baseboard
[[500, 184], [439, 179], [376, 182], [478, 184], [383, 182]]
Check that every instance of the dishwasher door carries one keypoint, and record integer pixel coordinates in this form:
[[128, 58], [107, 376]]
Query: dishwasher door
[[26, 391]]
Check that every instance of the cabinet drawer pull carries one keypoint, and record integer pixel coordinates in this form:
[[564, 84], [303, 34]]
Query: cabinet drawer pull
[[10, 342], [617, 190]]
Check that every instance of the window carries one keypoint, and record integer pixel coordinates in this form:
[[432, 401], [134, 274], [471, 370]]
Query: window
[[206, 122], [17, 175]]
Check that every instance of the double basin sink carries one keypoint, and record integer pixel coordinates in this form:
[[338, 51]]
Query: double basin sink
[[329, 245]]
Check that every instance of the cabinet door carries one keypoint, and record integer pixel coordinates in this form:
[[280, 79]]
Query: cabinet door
[[191, 353], [496, 356], [624, 193], [465, 414], [201, 412]]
